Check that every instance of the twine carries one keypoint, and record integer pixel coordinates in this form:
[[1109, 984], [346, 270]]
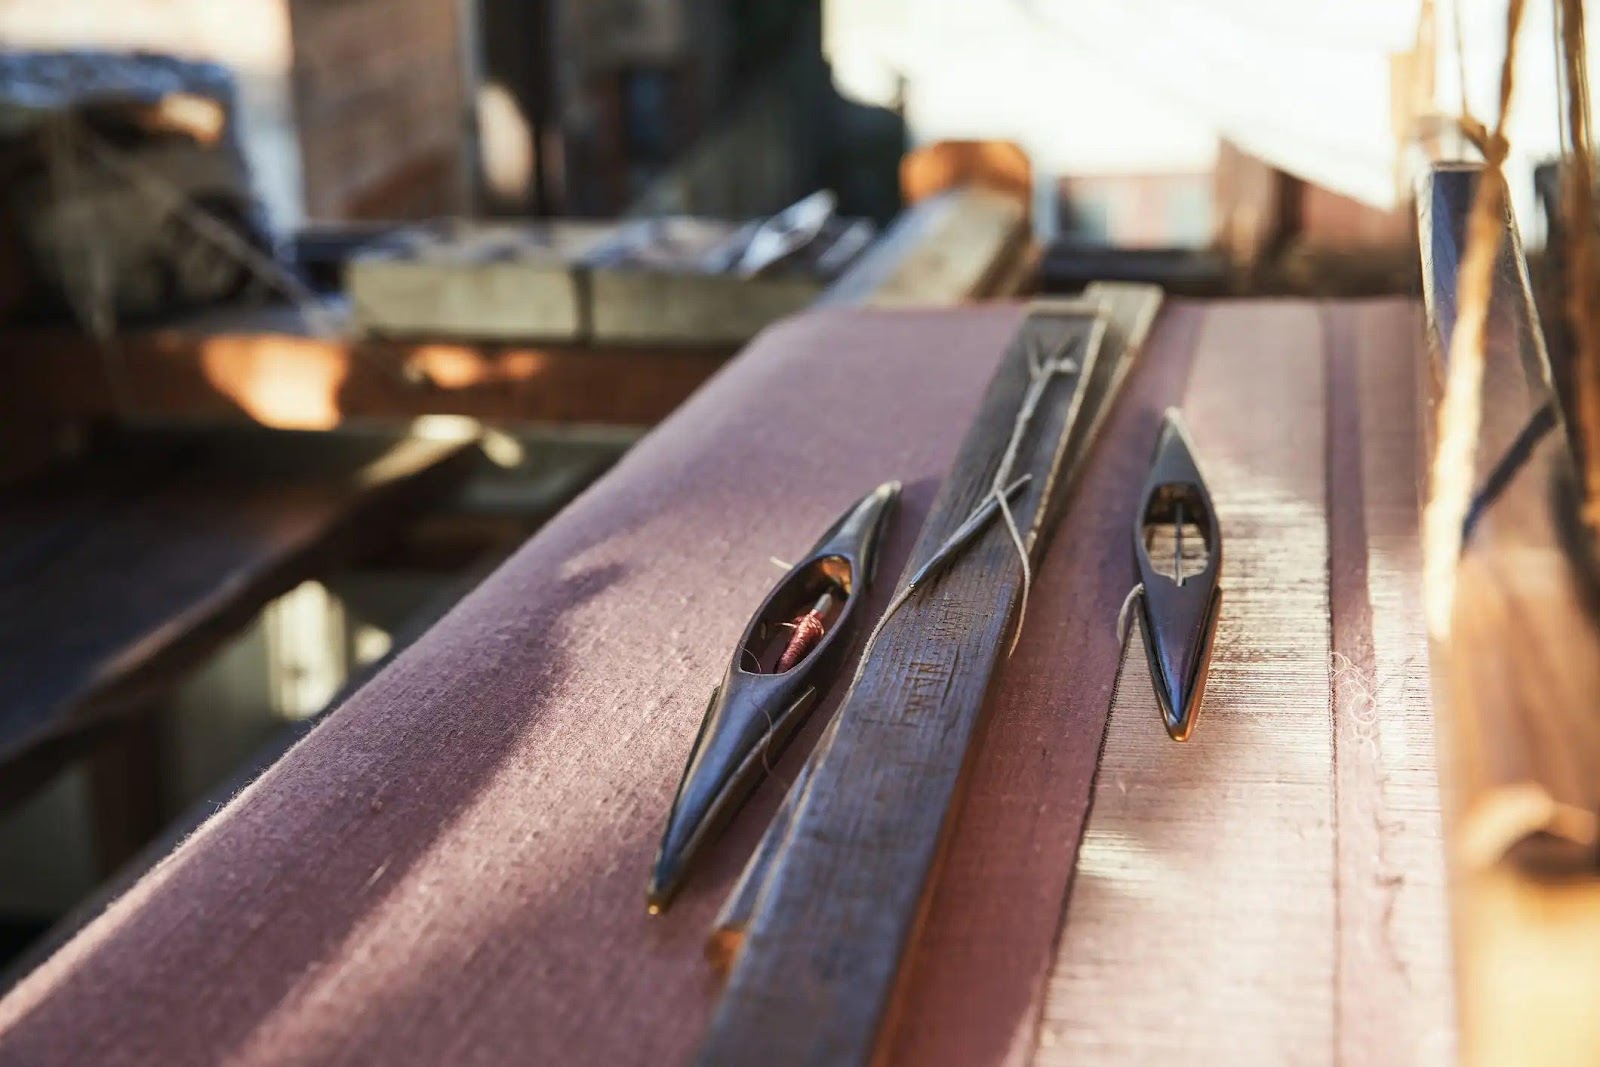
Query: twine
[[1578, 203], [1461, 409], [1041, 372], [163, 193]]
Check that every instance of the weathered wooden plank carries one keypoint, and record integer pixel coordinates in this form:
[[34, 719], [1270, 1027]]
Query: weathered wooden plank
[[640, 282], [1393, 995], [1201, 916], [637, 306], [952, 247], [488, 808], [821, 959], [496, 281], [1512, 685]]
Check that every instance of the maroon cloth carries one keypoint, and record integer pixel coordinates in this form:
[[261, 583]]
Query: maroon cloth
[[451, 868]]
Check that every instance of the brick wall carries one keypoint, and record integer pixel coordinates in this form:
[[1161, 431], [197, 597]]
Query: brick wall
[[380, 106]]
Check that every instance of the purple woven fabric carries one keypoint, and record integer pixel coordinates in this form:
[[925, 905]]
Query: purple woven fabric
[[451, 868]]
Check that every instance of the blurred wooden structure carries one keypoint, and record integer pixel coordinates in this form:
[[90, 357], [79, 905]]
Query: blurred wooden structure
[[128, 566], [999, 166], [283, 367], [965, 233], [1273, 234], [1515, 684], [663, 281]]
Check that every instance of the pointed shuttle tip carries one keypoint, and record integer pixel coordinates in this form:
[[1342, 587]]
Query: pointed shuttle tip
[[1180, 726], [663, 887]]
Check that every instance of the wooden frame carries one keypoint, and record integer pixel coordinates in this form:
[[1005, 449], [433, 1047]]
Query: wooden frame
[[1514, 687]]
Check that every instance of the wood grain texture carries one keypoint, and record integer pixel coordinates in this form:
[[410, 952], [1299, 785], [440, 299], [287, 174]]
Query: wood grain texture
[[1394, 1002], [1202, 915], [1271, 892], [820, 965]]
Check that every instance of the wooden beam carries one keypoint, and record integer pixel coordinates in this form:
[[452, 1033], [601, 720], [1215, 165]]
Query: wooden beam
[[270, 368], [1514, 688], [1289, 852], [958, 245], [1161, 883], [821, 958]]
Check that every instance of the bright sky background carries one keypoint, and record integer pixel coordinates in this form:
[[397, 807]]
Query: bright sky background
[[1092, 86]]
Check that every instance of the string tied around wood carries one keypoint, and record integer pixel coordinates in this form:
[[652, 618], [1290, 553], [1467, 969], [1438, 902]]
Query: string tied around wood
[[1460, 411], [1042, 371]]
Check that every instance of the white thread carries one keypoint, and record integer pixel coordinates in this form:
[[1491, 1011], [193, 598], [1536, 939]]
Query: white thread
[[1040, 374], [766, 743], [93, 302], [1124, 627]]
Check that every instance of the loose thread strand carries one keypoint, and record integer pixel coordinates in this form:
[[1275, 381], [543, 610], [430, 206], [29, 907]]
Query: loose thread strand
[[1124, 615], [1040, 373]]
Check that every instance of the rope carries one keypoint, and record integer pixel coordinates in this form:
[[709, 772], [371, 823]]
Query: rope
[[1461, 410], [97, 309], [93, 302], [1583, 272], [260, 265]]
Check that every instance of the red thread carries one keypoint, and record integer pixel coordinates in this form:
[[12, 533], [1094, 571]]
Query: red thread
[[807, 632]]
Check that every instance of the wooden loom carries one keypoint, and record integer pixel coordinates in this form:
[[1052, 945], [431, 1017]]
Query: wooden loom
[[1320, 508], [489, 806]]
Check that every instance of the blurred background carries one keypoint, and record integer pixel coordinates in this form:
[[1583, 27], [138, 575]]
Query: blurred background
[[311, 311]]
